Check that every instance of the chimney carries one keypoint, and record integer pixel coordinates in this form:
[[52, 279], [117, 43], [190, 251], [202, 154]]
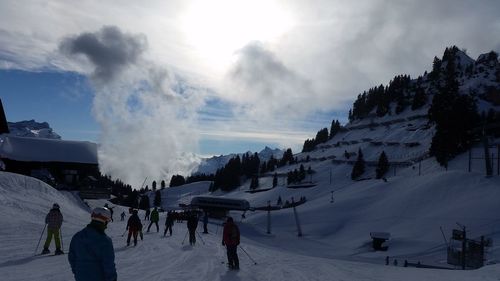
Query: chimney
[[4, 128]]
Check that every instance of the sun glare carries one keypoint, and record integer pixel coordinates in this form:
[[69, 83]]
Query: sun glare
[[216, 29]]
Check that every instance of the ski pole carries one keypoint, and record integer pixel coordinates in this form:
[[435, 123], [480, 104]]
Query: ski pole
[[254, 262], [200, 237], [185, 237], [124, 232], [41, 234]]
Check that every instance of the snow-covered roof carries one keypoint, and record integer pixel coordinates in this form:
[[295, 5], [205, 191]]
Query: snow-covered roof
[[48, 150]]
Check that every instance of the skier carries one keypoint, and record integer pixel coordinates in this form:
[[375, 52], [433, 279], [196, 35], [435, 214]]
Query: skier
[[91, 253], [205, 223], [231, 239], [169, 222], [54, 220], [134, 225], [123, 216], [192, 223], [148, 211], [155, 217]]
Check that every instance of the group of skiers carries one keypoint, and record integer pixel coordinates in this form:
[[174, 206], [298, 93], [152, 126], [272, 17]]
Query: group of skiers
[[91, 254]]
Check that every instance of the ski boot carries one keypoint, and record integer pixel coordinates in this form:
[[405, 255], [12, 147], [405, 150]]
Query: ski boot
[[45, 251], [58, 252]]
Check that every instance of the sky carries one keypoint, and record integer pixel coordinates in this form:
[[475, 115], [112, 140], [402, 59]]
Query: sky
[[176, 78]]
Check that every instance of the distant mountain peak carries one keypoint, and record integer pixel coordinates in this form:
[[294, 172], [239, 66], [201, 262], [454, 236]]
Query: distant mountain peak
[[32, 129]]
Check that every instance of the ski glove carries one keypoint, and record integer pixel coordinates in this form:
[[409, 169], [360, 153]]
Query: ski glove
[[223, 244]]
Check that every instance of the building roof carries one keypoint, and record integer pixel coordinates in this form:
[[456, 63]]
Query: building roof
[[47, 150]]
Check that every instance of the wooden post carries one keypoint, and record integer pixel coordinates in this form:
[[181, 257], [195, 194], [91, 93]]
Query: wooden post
[[470, 159], [330, 176], [299, 230], [268, 217], [464, 245], [489, 170]]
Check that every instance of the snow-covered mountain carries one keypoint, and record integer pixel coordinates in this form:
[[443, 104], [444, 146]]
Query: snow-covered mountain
[[210, 165], [31, 128]]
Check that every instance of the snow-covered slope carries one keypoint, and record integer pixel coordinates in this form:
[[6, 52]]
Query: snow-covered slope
[[335, 245]]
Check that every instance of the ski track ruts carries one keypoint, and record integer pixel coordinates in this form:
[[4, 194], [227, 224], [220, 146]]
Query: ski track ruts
[[156, 259]]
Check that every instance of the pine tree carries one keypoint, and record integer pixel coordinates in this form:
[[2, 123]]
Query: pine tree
[[302, 173], [287, 157], [275, 180], [455, 115], [334, 128], [419, 99], [157, 200], [154, 185], [359, 166], [162, 184], [144, 203], [382, 165], [256, 182]]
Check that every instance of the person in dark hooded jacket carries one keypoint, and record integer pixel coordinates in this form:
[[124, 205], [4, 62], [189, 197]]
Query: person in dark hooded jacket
[[169, 222], [54, 220], [134, 226], [192, 224]]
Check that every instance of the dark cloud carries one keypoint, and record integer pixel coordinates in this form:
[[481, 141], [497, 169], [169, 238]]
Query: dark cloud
[[109, 50]]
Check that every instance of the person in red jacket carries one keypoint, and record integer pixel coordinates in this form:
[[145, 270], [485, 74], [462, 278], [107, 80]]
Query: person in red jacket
[[231, 239]]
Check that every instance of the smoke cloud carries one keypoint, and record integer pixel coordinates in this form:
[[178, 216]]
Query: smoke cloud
[[109, 50], [145, 124]]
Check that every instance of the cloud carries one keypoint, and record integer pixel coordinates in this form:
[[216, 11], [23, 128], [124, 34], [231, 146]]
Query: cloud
[[264, 87], [109, 50], [146, 126]]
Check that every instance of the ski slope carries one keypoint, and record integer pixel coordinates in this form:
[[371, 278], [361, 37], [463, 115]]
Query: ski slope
[[335, 245]]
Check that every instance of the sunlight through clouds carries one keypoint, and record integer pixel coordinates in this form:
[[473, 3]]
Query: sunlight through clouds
[[217, 29]]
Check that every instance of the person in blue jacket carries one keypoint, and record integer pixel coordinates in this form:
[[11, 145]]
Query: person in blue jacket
[[91, 254]]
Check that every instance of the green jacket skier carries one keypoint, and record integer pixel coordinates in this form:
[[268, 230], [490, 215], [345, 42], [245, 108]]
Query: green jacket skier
[[155, 217]]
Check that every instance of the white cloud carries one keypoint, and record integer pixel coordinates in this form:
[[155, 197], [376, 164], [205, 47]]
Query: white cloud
[[145, 125]]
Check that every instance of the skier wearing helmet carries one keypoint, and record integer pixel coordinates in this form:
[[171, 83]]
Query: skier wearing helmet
[[54, 220], [91, 253]]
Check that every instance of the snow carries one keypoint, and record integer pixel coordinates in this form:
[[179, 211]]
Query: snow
[[336, 244], [48, 150]]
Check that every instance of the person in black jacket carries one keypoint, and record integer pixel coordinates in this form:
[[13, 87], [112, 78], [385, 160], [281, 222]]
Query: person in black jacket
[[134, 226], [192, 223], [169, 222]]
